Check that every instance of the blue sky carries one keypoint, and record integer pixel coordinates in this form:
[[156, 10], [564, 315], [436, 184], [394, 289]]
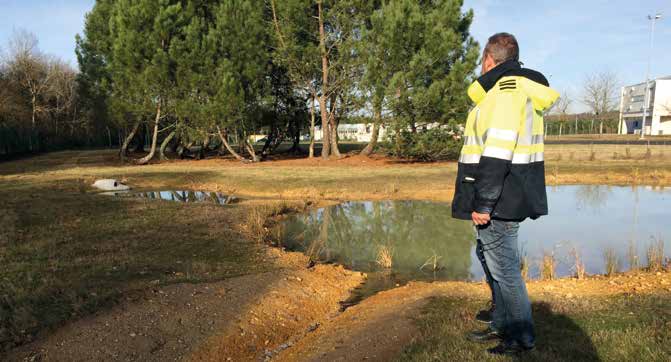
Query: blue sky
[[569, 39], [566, 40]]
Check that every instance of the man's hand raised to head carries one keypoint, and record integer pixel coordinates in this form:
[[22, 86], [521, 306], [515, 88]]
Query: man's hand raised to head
[[480, 219]]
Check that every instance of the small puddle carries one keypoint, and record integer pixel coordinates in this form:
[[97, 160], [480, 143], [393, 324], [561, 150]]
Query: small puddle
[[183, 196], [400, 241]]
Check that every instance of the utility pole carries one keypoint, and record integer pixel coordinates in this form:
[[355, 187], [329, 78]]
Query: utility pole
[[646, 99]]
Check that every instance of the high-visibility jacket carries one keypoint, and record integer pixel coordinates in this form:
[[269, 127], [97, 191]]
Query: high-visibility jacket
[[501, 170]]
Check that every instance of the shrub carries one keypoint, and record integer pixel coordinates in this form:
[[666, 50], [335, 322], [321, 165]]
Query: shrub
[[429, 145]]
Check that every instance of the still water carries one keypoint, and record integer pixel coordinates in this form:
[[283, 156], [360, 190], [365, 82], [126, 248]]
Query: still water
[[178, 196], [424, 243]]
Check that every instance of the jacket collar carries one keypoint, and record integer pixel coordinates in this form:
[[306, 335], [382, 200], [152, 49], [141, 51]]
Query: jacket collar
[[480, 87], [489, 79]]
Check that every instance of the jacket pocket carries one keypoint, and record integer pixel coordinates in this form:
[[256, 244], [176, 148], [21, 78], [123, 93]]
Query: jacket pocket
[[462, 204]]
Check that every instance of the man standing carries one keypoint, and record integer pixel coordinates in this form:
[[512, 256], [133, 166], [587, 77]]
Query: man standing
[[501, 182]]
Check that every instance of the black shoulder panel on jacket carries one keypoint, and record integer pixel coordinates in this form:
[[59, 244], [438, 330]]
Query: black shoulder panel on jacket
[[535, 76], [510, 68]]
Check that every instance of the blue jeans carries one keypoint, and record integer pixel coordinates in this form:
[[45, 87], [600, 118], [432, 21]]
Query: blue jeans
[[512, 313]]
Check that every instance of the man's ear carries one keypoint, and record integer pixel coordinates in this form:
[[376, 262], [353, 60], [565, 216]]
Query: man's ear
[[487, 63]]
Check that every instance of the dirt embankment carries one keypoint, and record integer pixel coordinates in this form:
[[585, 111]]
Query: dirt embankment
[[288, 315], [381, 326], [245, 318]]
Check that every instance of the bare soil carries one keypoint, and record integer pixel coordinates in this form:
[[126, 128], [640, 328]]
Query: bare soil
[[243, 318], [290, 315]]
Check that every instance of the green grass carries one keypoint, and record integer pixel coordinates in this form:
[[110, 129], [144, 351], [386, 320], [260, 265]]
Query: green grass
[[621, 328], [66, 254]]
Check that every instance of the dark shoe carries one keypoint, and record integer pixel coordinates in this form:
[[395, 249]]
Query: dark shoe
[[509, 349], [484, 336], [485, 315]]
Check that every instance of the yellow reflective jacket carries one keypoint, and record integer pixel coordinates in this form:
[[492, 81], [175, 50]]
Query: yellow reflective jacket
[[501, 169]]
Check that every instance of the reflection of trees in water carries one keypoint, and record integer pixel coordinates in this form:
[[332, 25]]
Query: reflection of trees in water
[[592, 196], [353, 232]]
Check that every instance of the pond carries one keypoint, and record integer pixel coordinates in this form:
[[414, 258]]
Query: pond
[[398, 241], [178, 196]]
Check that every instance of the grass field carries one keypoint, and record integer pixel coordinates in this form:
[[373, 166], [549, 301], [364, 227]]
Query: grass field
[[67, 252], [616, 328]]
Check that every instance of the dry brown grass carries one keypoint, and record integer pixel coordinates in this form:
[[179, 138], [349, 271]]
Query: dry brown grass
[[655, 254], [632, 257], [385, 256], [611, 262], [578, 265], [548, 264]]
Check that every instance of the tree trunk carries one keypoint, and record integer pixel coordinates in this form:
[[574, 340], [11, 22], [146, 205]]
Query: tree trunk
[[334, 138], [123, 152], [312, 127], [334, 120], [326, 139], [164, 145], [223, 136], [296, 146], [370, 147], [561, 124], [109, 136], [144, 160], [250, 150], [270, 138]]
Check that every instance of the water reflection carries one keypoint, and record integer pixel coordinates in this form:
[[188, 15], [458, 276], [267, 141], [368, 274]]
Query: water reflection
[[180, 196], [397, 241], [409, 238]]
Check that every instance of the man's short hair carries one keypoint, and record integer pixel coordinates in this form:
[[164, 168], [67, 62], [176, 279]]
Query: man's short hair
[[502, 47]]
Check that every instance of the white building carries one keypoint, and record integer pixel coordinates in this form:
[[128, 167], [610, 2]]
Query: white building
[[658, 117], [356, 132]]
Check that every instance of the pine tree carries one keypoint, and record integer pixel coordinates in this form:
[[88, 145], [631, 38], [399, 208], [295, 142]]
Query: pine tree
[[142, 65]]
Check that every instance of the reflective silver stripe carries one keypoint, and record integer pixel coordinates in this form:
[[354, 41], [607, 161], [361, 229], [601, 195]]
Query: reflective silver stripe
[[537, 139], [525, 158], [527, 139], [472, 140], [501, 134], [498, 152], [472, 158]]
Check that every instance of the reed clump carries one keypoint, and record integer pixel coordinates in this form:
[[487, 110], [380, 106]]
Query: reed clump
[[524, 267], [548, 266], [432, 262], [611, 262], [655, 254], [385, 256], [578, 265], [632, 257]]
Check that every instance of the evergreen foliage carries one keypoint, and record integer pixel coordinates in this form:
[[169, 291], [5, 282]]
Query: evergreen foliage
[[179, 74]]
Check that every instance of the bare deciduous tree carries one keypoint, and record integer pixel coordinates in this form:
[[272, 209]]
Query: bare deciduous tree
[[600, 94], [560, 108], [31, 69]]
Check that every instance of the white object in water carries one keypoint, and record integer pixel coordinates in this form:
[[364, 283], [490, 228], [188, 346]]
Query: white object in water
[[110, 185]]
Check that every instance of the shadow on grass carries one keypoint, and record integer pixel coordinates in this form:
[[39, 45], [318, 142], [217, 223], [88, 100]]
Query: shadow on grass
[[558, 337], [66, 255], [445, 322]]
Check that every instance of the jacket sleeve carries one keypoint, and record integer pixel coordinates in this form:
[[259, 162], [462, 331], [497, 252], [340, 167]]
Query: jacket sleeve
[[500, 139]]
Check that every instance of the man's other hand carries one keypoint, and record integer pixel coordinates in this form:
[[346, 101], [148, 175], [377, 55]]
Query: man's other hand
[[480, 219]]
